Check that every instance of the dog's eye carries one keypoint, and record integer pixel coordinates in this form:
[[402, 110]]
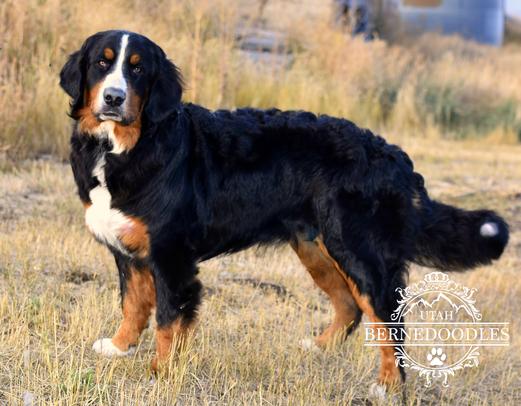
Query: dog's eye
[[137, 70], [103, 64]]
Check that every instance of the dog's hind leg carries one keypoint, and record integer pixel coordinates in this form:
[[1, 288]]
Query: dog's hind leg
[[377, 311], [351, 237], [367, 244], [324, 273], [138, 300]]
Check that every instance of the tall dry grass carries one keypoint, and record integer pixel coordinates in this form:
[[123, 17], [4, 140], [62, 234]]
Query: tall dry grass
[[59, 293], [435, 87]]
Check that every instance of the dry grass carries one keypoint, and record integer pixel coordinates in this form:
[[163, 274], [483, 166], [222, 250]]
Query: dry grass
[[58, 293], [431, 88]]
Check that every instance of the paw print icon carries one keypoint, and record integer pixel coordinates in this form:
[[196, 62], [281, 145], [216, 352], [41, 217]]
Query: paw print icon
[[436, 357]]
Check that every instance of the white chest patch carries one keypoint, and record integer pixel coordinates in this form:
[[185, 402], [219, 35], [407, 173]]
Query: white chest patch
[[103, 221]]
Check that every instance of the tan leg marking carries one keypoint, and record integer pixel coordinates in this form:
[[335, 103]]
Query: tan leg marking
[[389, 372], [322, 270], [138, 302], [171, 338]]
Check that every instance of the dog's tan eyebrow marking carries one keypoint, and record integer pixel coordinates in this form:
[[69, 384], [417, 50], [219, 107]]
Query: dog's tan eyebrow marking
[[108, 53], [134, 59]]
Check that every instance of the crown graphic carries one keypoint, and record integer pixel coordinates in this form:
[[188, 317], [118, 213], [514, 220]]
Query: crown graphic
[[436, 277]]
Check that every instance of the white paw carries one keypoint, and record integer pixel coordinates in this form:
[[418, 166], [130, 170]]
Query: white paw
[[489, 230], [105, 347], [380, 395], [378, 392], [308, 344]]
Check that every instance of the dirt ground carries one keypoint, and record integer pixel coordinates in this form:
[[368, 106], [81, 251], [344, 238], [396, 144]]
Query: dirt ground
[[58, 294]]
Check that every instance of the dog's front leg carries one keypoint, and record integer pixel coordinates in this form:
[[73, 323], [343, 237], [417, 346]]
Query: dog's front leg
[[138, 298], [178, 294]]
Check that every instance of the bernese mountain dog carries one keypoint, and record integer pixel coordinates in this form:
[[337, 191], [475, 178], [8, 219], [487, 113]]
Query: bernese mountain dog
[[166, 185]]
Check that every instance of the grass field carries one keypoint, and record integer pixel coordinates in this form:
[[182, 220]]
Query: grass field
[[58, 293]]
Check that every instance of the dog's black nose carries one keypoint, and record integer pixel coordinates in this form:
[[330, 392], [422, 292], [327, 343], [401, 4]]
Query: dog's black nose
[[114, 97]]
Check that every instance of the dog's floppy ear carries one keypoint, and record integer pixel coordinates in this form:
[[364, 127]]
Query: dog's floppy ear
[[164, 96], [71, 76]]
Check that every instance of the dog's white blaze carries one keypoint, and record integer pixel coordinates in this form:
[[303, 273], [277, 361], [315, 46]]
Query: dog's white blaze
[[489, 230], [105, 346], [115, 78], [103, 221]]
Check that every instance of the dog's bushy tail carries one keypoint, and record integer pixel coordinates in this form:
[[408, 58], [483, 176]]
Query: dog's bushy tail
[[454, 239]]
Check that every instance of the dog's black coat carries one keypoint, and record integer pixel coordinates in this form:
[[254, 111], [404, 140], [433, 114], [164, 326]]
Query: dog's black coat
[[207, 183]]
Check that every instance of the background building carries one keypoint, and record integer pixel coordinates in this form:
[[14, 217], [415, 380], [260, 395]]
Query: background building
[[479, 20]]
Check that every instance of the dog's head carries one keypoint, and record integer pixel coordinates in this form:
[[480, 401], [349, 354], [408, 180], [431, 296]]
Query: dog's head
[[122, 77]]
